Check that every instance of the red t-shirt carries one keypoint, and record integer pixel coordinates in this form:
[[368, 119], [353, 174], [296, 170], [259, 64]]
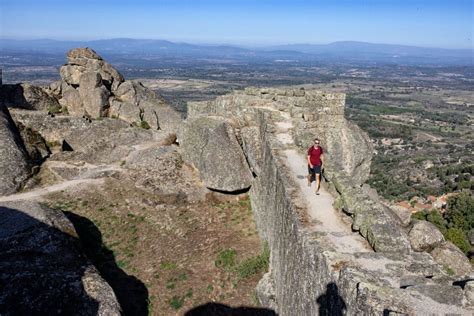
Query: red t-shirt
[[315, 155]]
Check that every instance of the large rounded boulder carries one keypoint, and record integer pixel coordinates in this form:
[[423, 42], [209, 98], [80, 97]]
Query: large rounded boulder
[[425, 236], [212, 147]]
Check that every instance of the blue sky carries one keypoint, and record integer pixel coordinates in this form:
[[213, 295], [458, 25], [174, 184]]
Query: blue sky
[[446, 23]]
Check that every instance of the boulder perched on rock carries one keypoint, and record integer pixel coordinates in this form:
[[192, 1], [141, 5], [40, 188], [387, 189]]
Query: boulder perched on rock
[[134, 103], [82, 60], [29, 97], [14, 166], [91, 87], [211, 146], [43, 269], [425, 236], [87, 83], [452, 259]]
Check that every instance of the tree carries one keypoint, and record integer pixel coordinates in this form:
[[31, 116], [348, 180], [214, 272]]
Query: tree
[[460, 211], [458, 237]]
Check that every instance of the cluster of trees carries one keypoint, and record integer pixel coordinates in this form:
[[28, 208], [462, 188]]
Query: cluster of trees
[[456, 177], [458, 220]]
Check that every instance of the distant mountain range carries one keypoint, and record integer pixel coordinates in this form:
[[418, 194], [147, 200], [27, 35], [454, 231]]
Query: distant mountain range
[[335, 52]]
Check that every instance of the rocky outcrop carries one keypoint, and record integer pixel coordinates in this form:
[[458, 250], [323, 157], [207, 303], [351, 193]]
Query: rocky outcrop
[[211, 146], [44, 271], [84, 60], [91, 87], [29, 97], [14, 166], [425, 236], [453, 259], [87, 83], [152, 109], [100, 141], [308, 274]]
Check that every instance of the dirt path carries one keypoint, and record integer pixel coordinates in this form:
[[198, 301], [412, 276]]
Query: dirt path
[[38, 193], [324, 217], [89, 175]]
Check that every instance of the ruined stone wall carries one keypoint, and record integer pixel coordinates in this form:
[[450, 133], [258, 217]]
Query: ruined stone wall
[[308, 276]]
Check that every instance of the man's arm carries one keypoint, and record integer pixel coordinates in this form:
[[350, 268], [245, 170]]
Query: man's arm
[[322, 160], [309, 161]]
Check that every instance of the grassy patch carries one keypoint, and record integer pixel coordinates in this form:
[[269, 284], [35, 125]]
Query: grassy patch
[[254, 265], [226, 259], [176, 302], [168, 265]]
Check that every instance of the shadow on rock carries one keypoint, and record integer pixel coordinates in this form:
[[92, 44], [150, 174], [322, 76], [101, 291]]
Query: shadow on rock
[[331, 303], [131, 292], [42, 269], [215, 309]]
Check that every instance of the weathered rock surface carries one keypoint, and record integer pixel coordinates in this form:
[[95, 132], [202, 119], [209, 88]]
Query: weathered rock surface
[[451, 257], [210, 144], [100, 141], [14, 166], [134, 103], [90, 86], [44, 271], [425, 236], [110, 148], [26, 96], [81, 60], [36, 146], [403, 214], [308, 276], [94, 95]]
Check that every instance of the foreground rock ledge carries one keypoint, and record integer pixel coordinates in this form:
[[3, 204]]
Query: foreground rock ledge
[[43, 269]]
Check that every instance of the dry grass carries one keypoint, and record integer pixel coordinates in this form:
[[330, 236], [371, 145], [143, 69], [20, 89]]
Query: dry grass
[[171, 249]]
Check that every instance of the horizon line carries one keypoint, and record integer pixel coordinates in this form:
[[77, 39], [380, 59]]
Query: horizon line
[[226, 43]]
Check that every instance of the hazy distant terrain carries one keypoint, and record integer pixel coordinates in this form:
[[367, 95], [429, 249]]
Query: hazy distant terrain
[[415, 103]]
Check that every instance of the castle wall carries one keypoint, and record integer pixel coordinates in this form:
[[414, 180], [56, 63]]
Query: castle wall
[[308, 276]]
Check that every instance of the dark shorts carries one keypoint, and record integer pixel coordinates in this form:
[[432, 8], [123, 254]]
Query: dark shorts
[[315, 170]]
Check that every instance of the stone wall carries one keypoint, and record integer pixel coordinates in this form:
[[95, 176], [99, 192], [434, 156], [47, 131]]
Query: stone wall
[[308, 276]]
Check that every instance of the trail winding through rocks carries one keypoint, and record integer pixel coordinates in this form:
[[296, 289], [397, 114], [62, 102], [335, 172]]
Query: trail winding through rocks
[[324, 218], [90, 175]]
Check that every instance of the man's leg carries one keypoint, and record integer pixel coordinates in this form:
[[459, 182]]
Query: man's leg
[[317, 171], [318, 182], [310, 175]]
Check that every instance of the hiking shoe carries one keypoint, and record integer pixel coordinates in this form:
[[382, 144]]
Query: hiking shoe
[[317, 192]]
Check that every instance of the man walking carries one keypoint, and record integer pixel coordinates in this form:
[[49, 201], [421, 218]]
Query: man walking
[[315, 163]]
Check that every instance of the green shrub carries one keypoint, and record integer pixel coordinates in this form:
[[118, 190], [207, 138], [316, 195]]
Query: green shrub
[[144, 125], [421, 215], [437, 219], [54, 108], [457, 237]]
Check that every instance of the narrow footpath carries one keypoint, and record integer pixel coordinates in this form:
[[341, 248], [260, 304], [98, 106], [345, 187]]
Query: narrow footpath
[[324, 218]]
